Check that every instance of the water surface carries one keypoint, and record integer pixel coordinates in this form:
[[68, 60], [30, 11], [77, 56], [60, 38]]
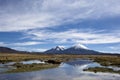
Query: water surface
[[72, 70]]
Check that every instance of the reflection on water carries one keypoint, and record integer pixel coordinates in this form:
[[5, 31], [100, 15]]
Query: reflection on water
[[114, 68], [66, 71], [6, 66], [32, 61]]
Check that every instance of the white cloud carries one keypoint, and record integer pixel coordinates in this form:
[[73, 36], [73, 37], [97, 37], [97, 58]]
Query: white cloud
[[34, 14], [75, 36], [40, 50], [114, 48], [27, 43], [30, 49], [2, 44], [117, 47]]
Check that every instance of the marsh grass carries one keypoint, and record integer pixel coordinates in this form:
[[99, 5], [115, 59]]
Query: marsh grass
[[7, 57], [31, 67], [102, 69], [105, 60]]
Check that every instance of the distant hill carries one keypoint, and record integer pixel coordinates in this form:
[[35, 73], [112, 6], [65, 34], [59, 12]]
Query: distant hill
[[7, 50], [10, 50]]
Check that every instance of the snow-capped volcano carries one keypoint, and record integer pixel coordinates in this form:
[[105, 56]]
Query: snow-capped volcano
[[77, 49], [57, 49]]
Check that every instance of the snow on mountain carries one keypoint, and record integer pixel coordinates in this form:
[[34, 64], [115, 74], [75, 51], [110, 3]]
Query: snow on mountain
[[80, 46], [57, 49]]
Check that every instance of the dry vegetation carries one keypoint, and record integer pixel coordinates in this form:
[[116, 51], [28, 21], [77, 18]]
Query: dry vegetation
[[102, 59], [7, 57]]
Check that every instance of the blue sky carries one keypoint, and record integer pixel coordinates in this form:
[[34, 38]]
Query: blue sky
[[37, 25]]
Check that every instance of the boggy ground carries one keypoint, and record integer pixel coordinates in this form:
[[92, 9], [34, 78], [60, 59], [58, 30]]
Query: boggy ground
[[102, 69], [54, 61], [31, 67]]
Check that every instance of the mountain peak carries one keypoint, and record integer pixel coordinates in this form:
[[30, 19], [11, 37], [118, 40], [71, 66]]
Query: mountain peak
[[80, 46], [59, 48]]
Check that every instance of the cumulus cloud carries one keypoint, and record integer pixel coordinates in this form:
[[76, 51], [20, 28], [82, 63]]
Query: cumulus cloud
[[75, 36], [23, 15]]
